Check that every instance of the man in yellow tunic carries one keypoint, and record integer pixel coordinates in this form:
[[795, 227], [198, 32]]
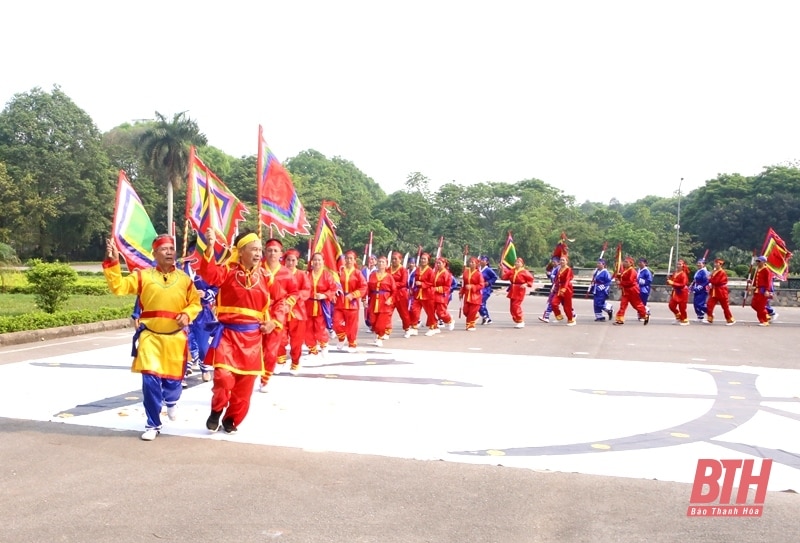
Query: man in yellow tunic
[[169, 302]]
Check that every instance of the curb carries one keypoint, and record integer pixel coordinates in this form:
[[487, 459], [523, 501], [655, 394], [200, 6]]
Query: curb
[[33, 336]]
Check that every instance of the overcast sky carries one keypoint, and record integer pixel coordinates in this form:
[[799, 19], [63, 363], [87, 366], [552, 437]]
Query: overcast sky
[[601, 99]]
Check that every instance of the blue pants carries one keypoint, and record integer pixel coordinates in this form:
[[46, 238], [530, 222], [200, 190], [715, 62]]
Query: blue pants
[[155, 392], [699, 303], [644, 296], [600, 303], [482, 311]]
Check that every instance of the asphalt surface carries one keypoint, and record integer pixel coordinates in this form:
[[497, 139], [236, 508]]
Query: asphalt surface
[[76, 483]]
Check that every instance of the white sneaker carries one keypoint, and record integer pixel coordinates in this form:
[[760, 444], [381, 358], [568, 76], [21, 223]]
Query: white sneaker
[[150, 434], [324, 352], [414, 331], [773, 317], [407, 334], [571, 323], [172, 412], [379, 342], [519, 325], [263, 388], [341, 346], [352, 350], [730, 323], [385, 336], [451, 326], [546, 321], [431, 332]]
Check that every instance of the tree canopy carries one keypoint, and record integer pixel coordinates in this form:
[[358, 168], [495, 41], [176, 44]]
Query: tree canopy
[[58, 175]]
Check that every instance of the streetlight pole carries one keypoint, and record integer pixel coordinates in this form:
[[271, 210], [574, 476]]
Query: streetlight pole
[[678, 226]]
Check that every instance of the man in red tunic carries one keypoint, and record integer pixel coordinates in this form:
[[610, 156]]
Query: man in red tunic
[[679, 281], [629, 286], [563, 296], [762, 291], [323, 287], [423, 299], [442, 283], [471, 293], [520, 278], [249, 307], [346, 310], [280, 278], [381, 289], [718, 294], [400, 276], [296, 316]]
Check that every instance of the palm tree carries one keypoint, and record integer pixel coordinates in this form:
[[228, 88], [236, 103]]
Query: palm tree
[[165, 148]]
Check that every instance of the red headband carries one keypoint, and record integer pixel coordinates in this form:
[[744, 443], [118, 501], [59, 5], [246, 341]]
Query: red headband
[[273, 241], [292, 252], [163, 239]]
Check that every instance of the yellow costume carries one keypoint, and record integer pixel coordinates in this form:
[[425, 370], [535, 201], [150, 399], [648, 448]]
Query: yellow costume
[[162, 348]]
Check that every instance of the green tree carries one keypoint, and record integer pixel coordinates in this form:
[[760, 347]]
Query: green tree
[[319, 178], [165, 146], [52, 149]]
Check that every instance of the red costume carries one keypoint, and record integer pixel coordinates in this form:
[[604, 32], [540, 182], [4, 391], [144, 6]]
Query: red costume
[[629, 286], [323, 284], [400, 276], [563, 294], [381, 289], [442, 281], [245, 300], [680, 292], [280, 278], [345, 313], [718, 294], [471, 289], [762, 292], [296, 317], [423, 299], [519, 279]]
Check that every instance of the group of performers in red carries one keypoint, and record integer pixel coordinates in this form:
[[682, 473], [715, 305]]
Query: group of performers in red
[[267, 310]]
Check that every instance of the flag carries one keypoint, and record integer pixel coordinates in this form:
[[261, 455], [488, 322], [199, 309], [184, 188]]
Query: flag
[[210, 204], [278, 203], [618, 260], [132, 229], [325, 241], [561, 248], [777, 255], [509, 255]]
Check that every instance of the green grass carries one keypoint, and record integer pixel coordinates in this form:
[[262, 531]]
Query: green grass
[[19, 304]]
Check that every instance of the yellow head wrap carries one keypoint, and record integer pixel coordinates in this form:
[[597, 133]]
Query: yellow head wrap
[[249, 238]]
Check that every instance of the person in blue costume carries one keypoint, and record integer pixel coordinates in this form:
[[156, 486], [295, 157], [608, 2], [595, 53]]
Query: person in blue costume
[[645, 279], [700, 289], [600, 289], [489, 279]]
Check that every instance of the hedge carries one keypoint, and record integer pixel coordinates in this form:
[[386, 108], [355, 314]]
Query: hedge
[[40, 321]]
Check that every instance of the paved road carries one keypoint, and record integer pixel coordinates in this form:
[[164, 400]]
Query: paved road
[[549, 433]]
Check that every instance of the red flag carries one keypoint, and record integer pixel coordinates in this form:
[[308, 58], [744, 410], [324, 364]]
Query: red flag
[[777, 255], [278, 203], [325, 241]]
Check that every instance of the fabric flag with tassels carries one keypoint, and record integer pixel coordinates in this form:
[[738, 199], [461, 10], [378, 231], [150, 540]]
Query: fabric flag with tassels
[[278, 203], [777, 255], [210, 204], [618, 261], [509, 255], [133, 232], [325, 241]]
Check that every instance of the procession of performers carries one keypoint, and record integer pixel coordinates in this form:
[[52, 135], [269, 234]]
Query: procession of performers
[[243, 318]]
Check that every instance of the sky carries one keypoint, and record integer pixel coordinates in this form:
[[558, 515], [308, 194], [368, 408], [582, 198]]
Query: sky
[[600, 99]]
